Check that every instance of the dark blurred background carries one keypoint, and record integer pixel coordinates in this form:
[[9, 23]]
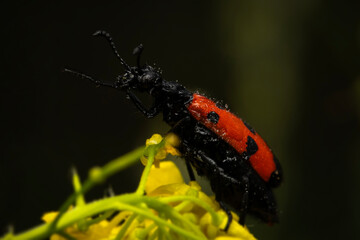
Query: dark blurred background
[[290, 68]]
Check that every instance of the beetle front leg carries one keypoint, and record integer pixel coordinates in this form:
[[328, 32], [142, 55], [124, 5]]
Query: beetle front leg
[[149, 113]]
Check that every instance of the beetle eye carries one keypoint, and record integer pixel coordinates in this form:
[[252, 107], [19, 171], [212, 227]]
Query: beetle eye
[[148, 77]]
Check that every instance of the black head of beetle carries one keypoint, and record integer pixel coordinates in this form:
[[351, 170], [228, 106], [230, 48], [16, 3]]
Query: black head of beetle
[[169, 97], [140, 78]]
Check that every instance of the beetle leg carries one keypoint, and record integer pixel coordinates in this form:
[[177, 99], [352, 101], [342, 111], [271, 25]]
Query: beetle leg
[[214, 166], [207, 160], [244, 201], [149, 113], [178, 126], [190, 171], [211, 162], [228, 213], [244, 182]]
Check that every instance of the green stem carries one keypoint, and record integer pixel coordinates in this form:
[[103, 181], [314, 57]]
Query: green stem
[[154, 235], [162, 207], [141, 188], [156, 219], [104, 216], [108, 170], [115, 203], [122, 162], [66, 235], [125, 227], [216, 220], [145, 232], [68, 218], [80, 200]]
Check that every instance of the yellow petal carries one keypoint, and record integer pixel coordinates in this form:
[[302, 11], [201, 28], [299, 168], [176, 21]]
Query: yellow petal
[[228, 238], [173, 151], [155, 139], [206, 227], [169, 190], [49, 216], [172, 139], [235, 229], [166, 174]]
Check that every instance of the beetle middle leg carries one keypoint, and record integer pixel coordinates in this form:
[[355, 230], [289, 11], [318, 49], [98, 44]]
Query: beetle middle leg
[[178, 129], [244, 183]]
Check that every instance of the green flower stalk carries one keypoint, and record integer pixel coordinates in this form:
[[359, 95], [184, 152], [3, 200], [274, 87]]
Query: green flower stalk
[[170, 209]]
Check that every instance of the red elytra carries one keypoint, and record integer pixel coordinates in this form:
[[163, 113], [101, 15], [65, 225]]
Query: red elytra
[[232, 129]]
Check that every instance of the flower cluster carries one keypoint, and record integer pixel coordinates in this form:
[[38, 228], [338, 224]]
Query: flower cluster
[[163, 207]]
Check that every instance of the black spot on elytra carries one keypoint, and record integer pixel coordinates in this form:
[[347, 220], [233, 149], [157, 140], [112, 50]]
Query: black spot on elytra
[[252, 147], [249, 127], [213, 117]]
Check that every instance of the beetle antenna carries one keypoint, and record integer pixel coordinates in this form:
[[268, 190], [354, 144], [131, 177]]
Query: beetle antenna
[[137, 51], [108, 37], [84, 76]]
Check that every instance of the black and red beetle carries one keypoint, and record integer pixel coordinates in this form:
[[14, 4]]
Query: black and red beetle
[[241, 168]]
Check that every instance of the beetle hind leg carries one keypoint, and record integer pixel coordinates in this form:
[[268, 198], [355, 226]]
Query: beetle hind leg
[[228, 213], [244, 201], [190, 171]]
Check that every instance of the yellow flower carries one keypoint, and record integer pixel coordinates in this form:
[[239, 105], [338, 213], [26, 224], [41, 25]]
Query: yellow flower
[[103, 230], [236, 231], [163, 182], [170, 208], [167, 181], [170, 143]]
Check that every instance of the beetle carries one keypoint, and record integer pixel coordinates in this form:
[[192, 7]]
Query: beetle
[[222, 147]]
